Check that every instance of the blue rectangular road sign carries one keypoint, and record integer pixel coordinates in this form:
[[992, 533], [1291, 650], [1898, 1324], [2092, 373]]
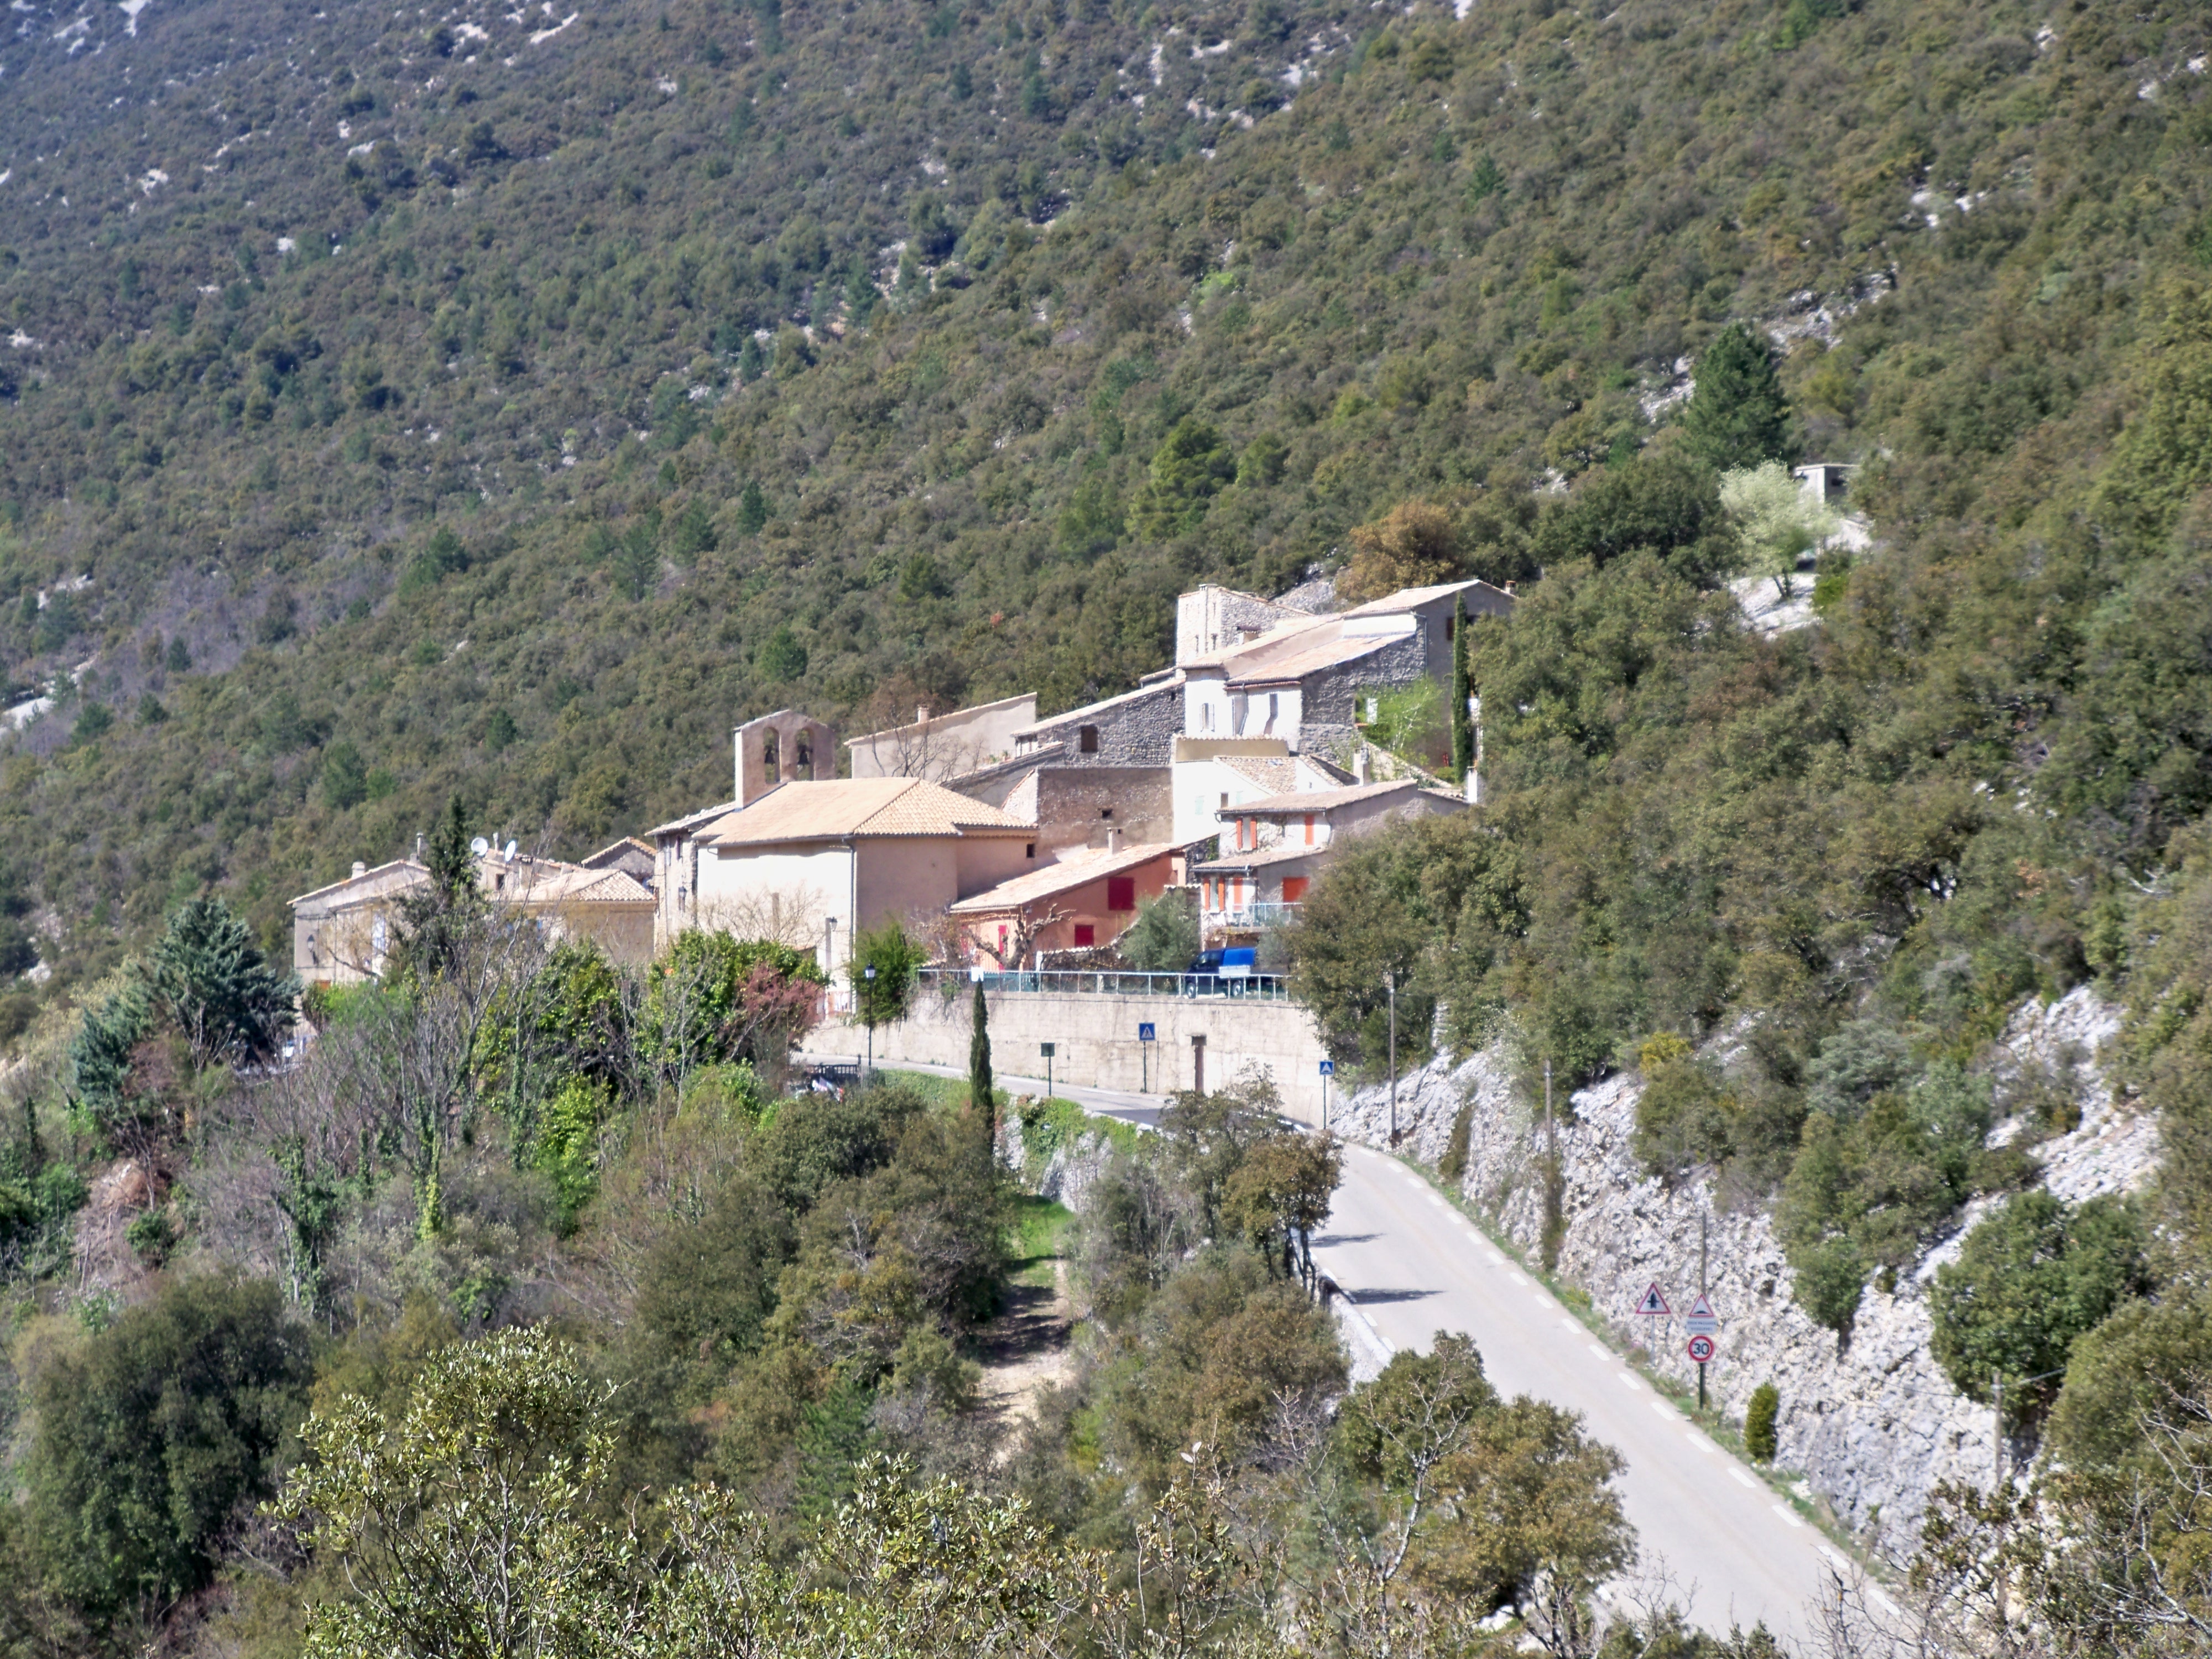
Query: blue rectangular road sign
[[1145, 1031], [1328, 1068]]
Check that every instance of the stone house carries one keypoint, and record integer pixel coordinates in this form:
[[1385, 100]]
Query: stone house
[[1273, 849], [343, 933], [1081, 902], [1304, 681], [808, 863], [630, 855], [1211, 775], [1137, 728]]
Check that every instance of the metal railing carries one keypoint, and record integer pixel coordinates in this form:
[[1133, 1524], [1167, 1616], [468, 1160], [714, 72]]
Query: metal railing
[[1252, 915], [1073, 982]]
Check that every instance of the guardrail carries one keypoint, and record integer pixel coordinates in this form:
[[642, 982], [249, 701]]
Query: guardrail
[[1081, 981]]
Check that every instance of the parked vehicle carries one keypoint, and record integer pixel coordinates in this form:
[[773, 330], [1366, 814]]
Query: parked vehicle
[[1220, 973]]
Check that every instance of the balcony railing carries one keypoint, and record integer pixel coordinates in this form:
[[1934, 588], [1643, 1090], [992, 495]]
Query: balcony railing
[[1253, 916], [1070, 982]]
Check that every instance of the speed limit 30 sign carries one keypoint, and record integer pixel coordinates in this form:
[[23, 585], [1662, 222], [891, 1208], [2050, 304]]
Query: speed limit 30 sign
[[1701, 1349]]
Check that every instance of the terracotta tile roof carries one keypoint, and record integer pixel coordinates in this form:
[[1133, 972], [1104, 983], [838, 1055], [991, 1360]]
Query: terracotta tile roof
[[833, 809], [1278, 773], [1309, 659], [560, 884], [1323, 800], [1073, 871], [396, 876], [1230, 863], [693, 820], [1406, 598]]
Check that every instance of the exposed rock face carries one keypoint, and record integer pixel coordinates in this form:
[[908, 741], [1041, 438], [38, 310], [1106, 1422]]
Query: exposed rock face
[[1068, 1170], [1873, 1425]]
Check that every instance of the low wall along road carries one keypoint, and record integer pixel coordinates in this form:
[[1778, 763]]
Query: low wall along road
[[1095, 1040]]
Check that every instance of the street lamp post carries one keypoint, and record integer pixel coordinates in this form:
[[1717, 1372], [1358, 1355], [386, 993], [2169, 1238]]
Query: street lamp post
[[868, 1014]]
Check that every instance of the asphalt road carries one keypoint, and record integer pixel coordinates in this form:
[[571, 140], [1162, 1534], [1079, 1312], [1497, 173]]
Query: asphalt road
[[1733, 1550], [1730, 1550]]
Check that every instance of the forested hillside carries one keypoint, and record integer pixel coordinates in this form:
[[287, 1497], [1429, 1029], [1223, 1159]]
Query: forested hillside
[[495, 407], [401, 385]]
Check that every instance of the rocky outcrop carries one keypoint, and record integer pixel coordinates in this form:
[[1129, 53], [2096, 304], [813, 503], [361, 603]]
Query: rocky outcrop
[[1872, 1424], [1064, 1173]]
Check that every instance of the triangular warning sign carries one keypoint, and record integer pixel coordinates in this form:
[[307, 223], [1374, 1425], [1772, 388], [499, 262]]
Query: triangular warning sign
[[1701, 1319], [1653, 1301]]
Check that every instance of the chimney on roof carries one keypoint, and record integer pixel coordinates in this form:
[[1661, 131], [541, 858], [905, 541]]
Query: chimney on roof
[[1112, 837], [1359, 765], [359, 868], [921, 714]]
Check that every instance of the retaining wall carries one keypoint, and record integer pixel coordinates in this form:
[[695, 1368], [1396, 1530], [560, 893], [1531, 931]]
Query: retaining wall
[[1094, 1040]]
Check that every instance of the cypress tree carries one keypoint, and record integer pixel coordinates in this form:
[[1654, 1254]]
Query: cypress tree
[[1738, 417], [979, 1074], [1462, 724]]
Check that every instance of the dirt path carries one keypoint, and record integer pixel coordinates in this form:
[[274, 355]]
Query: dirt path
[[1022, 1350]]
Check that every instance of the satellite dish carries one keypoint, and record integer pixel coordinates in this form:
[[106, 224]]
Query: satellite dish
[[480, 846], [509, 853]]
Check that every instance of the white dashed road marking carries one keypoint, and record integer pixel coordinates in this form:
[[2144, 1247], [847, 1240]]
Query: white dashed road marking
[[1666, 1411], [1736, 1474], [1518, 1278], [1599, 1352], [1784, 1511], [1701, 1443], [1628, 1379]]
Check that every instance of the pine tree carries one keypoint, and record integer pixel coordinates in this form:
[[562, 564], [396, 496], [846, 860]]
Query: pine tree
[[1463, 722], [1738, 417], [979, 1093]]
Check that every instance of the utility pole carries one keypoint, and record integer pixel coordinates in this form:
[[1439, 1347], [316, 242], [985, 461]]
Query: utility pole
[[1997, 1388], [1390, 982]]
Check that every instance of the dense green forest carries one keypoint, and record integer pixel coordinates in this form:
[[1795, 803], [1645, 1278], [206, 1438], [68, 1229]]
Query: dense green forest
[[507, 494], [496, 408]]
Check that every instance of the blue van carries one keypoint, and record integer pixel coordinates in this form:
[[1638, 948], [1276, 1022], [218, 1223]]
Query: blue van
[[1220, 973]]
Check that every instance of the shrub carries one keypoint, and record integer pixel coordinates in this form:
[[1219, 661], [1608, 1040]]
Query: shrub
[[152, 1439], [1758, 1435], [2033, 1277]]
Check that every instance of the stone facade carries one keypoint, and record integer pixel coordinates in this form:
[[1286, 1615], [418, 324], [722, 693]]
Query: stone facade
[[1872, 1424], [785, 747], [1138, 728]]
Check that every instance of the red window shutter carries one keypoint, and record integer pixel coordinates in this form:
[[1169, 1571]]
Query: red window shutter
[[1294, 887], [1120, 892], [1085, 935]]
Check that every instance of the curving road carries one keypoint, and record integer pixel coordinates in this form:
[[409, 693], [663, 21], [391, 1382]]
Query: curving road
[[1735, 1552], [1731, 1550]]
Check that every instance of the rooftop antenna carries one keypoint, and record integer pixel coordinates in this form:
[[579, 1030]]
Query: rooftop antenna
[[509, 854], [479, 847]]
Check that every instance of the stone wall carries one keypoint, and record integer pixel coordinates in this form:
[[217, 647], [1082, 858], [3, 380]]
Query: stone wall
[[1138, 729], [1873, 1425], [1095, 1038]]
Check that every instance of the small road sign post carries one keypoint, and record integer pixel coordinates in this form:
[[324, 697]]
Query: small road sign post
[[1652, 1304], [1328, 1070], [1704, 1325], [1147, 1035], [1046, 1049]]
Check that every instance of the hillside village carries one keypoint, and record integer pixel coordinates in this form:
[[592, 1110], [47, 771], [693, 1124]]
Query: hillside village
[[1012, 843]]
